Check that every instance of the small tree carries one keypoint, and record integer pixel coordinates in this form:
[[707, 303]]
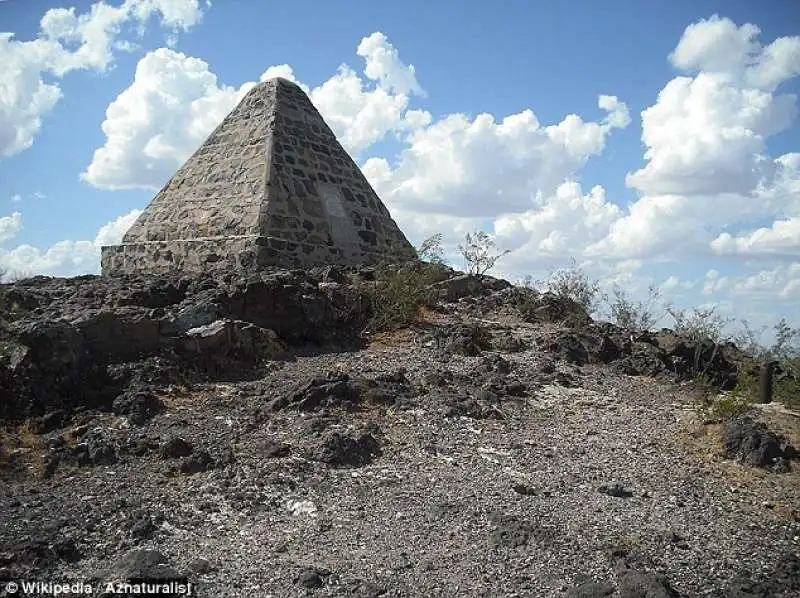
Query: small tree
[[700, 324], [528, 282], [786, 350], [748, 340], [573, 283], [480, 253], [430, 250], [787, 341], [631, 315]]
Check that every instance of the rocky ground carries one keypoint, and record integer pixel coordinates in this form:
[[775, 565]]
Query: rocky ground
[[499, 447]]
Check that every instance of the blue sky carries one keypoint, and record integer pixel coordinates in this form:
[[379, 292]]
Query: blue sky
[[676, 194]]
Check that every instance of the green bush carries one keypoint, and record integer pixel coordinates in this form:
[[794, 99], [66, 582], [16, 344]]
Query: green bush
[[787, 389], [722, 406], [398, 295], [785, 351], [630, 315], [573, 283], [699, 324]]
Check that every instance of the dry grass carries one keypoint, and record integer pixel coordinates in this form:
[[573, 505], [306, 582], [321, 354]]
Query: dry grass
[[22, 446], [427, 316], [391, 338]]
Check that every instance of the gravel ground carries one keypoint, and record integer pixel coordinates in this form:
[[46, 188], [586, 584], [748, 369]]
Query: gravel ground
[[531, 497]]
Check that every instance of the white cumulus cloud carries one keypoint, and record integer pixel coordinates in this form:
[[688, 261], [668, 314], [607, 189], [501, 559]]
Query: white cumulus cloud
[[10, 226], [157, 122], [69, 41], [112, 233], [384, 65], [482, 167], [64, 258], [706, 164], [560, 225], [717, 46], [175, 101], [783, 237]]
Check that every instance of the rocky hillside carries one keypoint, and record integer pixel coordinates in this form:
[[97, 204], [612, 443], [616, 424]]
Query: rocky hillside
[[256, 436]]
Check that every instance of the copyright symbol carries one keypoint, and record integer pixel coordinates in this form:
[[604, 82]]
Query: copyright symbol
[[12, 587]]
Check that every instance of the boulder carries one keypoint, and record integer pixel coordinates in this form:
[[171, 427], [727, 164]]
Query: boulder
[[225, 339], [118, 336], [137, 405], [143, 565], [54, 346], [568, 347], [342, 450], [196, 315], [346, 392], [465, 339], [456, 288], [752, 443]]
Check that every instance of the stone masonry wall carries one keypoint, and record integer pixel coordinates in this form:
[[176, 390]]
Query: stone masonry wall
[[219, 191], [271, 186], [316, 193], [221, 255]]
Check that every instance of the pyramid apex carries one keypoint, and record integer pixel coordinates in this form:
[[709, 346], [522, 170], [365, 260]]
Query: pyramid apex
[[277, 80]]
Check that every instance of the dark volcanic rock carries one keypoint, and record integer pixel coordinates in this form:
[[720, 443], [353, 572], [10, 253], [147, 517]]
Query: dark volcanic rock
[[753, 443], [50, 421], [310, 578], [197, 462], [274, 450], [508, 343], [143, 528], [293, 306], [174, 448], [547, 307], [591, 589], [227, 340], [455, 288], [122, 334], [482, 405], [568, 347], [143, 565], [97, 447], [138, 405], [616, 490], [195, 315], [340, 450], [466, 339], [148, 374], [70, 337], [346, 392], [334, 390], [643, 360], [39, 554]]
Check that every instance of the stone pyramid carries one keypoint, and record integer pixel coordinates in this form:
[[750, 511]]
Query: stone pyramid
[[271, 186]]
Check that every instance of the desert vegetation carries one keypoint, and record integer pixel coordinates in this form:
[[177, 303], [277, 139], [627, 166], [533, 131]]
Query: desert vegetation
[[698, 325]]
